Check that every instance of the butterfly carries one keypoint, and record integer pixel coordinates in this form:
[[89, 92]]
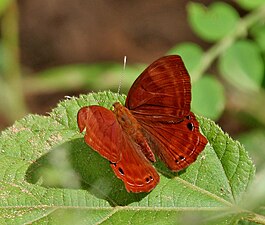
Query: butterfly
[[156, 120]]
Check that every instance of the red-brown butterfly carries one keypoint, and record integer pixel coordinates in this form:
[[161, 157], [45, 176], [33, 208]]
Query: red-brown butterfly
[[156, 118]]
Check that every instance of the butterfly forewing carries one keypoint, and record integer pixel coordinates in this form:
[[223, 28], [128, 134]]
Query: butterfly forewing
[[162, 91]]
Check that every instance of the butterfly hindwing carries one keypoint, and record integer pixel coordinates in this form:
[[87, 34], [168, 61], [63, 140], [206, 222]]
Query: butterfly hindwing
[[176, 143], [137, 173], [105, 135]]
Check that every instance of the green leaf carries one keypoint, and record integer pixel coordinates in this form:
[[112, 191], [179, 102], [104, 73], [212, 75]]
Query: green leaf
[[214, 22], [191, 54], [208, 98], [242, 65], [249, 5], [254, 142], [258, 32], [211, 186]]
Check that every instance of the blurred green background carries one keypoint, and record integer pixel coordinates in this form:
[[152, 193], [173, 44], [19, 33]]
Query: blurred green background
[[52, 49]]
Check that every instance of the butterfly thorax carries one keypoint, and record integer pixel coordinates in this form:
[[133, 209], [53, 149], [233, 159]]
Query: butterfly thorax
[[133, 129]]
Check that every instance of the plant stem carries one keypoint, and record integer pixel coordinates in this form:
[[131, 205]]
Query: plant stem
[[257, 218]]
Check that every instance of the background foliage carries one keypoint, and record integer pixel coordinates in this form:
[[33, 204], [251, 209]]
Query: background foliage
[[227, 79]]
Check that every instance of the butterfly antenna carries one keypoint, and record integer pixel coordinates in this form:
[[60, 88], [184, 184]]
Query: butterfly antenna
[[124, 66]]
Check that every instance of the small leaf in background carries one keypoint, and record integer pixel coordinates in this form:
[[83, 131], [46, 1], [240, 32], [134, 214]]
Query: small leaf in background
[[250, 4], [242, 65], [211, 186], [91, 76], [258, 32], [191, 54], [71, 76], [208, 98], [214, 22]]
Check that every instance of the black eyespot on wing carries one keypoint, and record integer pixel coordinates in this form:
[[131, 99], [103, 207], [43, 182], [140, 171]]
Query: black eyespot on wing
[[114, 164], [190, 126], [188, 117], [121, 171], [149, 179], [181, 158]]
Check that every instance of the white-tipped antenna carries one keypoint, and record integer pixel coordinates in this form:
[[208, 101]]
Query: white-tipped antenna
[[124, 65]]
